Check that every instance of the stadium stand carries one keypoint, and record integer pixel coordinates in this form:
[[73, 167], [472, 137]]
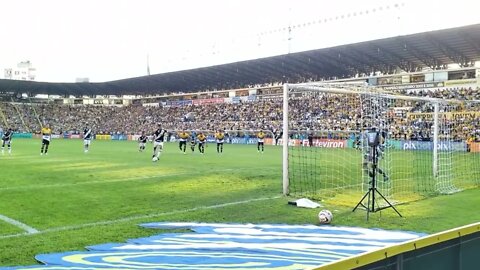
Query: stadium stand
[[328, 113]]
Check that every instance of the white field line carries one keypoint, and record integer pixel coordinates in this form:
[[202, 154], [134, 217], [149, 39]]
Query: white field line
[[16, 223], [126, 219], [100, 181]]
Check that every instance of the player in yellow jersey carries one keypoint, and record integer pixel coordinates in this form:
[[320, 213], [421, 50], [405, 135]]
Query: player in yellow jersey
[[470, 140], [220, 138], [202, 139], [183, 137], [260, 138], [46, 137]]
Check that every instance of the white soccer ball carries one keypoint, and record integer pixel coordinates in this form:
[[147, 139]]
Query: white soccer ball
[[154, 159], [325, 217]]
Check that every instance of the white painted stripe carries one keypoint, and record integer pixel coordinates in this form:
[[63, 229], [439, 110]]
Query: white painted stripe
[[139, 217], [18, 224]]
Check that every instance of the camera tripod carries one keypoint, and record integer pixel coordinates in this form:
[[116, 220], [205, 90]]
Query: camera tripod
[[372, 190]]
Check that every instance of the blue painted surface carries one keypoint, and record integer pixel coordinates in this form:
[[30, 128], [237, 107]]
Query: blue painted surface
[[229, 246]]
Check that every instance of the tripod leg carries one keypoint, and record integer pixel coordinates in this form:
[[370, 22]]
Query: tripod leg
[[361, 201], [390, 205]]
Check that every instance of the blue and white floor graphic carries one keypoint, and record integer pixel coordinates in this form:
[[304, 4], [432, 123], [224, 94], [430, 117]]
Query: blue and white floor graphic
[[229, 246]]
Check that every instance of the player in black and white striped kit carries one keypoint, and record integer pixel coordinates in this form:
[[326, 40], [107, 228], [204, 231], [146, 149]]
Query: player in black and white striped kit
[[158, 138], [87, 138], [142, 141], [7, 139]]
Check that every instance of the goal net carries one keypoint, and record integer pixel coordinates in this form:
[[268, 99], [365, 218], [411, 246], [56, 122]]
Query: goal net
[[427, 146]]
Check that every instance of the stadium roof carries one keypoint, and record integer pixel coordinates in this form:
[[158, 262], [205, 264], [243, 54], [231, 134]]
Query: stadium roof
[[434, 49]]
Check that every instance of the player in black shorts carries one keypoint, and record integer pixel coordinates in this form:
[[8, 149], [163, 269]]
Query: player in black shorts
[[46, 137], [142, 141], [277, 134], [220, 138], [7, 139], [260, 141], [193, 142], [183, 137], [158, 138], [202, 139]]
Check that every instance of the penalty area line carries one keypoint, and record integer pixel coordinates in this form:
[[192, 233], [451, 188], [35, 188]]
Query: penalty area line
[[16, 223], [127, 219]]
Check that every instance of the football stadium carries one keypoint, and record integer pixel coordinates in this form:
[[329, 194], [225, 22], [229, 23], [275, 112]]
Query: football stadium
[[363, 155]]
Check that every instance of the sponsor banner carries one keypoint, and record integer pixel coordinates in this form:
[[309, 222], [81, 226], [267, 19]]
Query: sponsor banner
[[460, 82], [291, 142], [156, 104], [474, 147], [269, 141], [235, 100], [441, 146], [242, 140], [394, 144], [208, 101], [448, 115], [323, 143], [103, 137], [119, 137], [413, 86], [134, 137], [57, 136], [25, 136], [244, 98], [326, 143], [178, 103], [76, 136]]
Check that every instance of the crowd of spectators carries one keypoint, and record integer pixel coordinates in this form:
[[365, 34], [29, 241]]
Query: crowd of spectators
[[308, 112]]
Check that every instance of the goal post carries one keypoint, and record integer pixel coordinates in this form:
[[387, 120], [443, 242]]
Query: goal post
[[424, 150]]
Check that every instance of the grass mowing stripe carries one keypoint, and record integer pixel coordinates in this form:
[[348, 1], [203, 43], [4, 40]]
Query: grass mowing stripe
[[108, 222], [18, 224], [102, 181]]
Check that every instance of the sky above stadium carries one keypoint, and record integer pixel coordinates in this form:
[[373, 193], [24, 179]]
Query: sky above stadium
[[106, 40]]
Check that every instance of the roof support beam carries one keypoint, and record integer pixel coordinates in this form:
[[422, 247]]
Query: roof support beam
[[422, 56], [395, 58], [454, 55]]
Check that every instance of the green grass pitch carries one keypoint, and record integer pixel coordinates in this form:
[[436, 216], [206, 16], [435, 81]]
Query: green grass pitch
[[75, 199]]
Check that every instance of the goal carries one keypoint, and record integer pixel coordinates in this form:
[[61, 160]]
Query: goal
[[428, 145]]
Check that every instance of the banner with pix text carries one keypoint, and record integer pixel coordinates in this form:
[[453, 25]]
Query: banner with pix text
[[428, 146]]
